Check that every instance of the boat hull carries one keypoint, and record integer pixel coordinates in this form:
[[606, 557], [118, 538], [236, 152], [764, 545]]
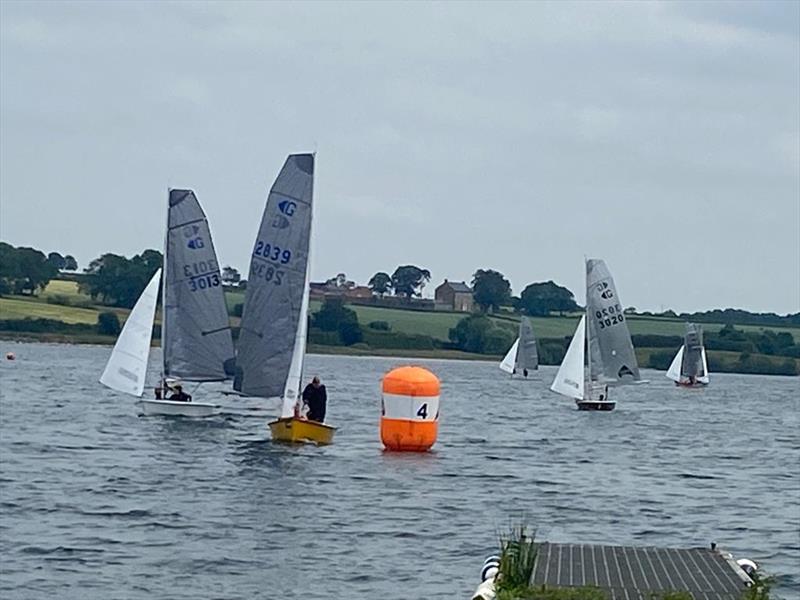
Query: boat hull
[[595, 404], [298, 431], [173, 408], [686, 384]]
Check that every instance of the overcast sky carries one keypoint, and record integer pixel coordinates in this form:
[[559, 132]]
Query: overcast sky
[[662, 137]]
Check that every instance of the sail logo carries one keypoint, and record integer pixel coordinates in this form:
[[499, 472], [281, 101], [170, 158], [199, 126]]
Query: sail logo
[[196, 243], [280, 222], [605, 290], [287, 207], [624, 371]]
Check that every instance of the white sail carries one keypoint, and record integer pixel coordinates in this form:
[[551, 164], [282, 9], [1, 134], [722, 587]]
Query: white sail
[[704, 378], [674, 371], [293, 381], [569, 380], [507, 364], [127, 366]]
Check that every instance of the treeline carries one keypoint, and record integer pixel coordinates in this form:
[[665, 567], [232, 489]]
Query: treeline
[[28, 270], [118, 281]]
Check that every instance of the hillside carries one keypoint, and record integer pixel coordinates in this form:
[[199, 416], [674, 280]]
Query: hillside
[[72, 317]]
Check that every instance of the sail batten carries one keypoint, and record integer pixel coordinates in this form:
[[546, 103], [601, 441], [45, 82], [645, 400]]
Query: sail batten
[[273, 329], [197, 340], [126, 369]]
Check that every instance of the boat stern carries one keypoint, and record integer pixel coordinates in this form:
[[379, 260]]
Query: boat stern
[[298, 431]]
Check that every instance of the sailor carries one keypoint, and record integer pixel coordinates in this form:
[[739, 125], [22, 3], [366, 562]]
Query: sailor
[[525, 373], [179, 395], [316, 398]]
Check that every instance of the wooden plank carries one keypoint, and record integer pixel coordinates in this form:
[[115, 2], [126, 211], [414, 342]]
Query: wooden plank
[[633, 573]]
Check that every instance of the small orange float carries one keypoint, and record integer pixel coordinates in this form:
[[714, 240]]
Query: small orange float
[[410, 409]]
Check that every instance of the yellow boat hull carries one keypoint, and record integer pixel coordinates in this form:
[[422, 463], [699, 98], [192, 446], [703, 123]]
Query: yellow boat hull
[[299, 431]]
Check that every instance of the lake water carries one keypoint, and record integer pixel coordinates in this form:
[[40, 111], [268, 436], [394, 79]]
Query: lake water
[[100, 503]]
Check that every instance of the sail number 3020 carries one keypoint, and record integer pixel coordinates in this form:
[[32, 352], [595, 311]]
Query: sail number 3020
[[609, 316]]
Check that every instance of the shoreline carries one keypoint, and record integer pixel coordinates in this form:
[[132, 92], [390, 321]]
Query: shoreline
[[94, 339]]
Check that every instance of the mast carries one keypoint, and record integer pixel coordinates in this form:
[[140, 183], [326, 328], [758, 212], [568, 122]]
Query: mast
[[164, 297], [588, 329]]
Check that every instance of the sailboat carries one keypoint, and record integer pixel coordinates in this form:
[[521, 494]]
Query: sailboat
[[195, 334], [603, 333], [689, 368], [523, 356], [272, 338]]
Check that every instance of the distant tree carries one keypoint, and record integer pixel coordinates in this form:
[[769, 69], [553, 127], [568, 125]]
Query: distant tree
[[335, 316], [350, 332], [56, 260], [24, 270], [108, 323], [477, 333], [70, 264], [230, 276], [540, 299], [408, 280], [490, 289], [380, 283], [119, 281]]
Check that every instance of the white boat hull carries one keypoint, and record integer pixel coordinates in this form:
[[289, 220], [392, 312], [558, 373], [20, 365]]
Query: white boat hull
[[173, 408]]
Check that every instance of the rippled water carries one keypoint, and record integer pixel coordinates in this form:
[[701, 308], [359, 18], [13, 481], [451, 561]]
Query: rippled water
[[100, 503]]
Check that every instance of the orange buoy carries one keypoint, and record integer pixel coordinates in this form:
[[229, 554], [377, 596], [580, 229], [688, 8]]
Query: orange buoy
[[410, 409]]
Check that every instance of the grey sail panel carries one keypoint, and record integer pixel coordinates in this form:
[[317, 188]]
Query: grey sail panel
[[692, 364], [276, 281], [527, 353], [196, 335], [612, 359]]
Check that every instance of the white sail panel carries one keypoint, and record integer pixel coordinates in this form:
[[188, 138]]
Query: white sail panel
[[569, 380], [291, 393], [127, 365], [674, 371], [507, 364]]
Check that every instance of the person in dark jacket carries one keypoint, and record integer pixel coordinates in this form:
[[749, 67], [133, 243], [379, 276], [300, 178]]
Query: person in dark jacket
[[316, 398], [179, 395]]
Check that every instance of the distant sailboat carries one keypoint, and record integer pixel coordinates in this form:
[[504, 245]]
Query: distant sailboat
[[272, 338], [689, 368], [611, 359], [195, 333], [523, 356]]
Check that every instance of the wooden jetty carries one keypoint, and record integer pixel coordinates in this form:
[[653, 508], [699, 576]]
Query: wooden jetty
[[640, 573]]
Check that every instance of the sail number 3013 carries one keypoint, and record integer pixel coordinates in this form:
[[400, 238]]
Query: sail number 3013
[[609, 316]]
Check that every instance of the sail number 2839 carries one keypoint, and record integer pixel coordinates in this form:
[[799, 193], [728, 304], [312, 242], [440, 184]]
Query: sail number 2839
[[609, 316], [273, 253]]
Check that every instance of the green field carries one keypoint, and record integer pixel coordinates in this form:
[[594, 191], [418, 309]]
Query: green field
[[435, 324]]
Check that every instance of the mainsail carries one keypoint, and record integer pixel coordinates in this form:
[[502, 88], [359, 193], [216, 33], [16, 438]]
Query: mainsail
[[527, 354], [692, 364], [127, 367], [196, 335], [272, 334], [690, 361], [569, 379], [611, 356]]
